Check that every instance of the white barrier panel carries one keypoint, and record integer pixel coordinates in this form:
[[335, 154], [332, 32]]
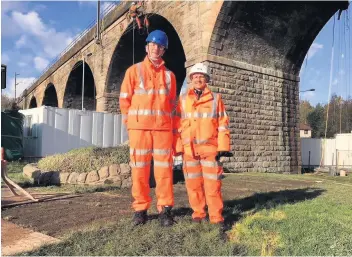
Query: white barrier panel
[[50, 130], [328, 152]]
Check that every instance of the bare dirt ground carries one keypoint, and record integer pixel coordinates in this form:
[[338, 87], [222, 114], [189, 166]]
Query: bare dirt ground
[[57, 218]]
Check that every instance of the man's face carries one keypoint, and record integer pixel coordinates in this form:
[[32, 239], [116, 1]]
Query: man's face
[[199, 80], [155, 51]]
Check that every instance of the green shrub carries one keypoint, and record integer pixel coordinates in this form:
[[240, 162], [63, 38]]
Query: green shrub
[[85, 159]]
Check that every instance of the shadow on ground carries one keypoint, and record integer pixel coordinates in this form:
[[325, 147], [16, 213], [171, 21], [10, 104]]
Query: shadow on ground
[[234, 209]]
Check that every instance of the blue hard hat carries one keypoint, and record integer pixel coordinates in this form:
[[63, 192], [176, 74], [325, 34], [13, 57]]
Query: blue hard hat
[[159, 37]]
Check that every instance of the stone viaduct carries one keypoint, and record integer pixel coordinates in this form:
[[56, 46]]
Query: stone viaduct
[[254, 50]]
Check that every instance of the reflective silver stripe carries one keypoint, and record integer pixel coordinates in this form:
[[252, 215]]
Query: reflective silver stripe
[[203, 115], [183, 104], [209, 164], [191, 163], [151, 92], [140, 151], [148, 112], [222, 114], [140, 164], [196, 141], [161, 164], [123, 95], [161, 151], [124, 116], [198, 115], [192, 175], [168, 79], [222, 128], [141, 84], [215, 104], [211, 176]]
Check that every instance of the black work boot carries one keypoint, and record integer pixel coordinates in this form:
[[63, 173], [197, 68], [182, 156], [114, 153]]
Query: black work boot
[[199, 220], [222, 231], [165, 217], [140, 218]]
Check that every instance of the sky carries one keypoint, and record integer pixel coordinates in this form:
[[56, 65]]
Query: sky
[[34, 33]]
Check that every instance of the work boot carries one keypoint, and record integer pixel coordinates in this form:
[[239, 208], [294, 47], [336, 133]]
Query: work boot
[[140, 218], [222, 231], [165, 217], [198, 220]]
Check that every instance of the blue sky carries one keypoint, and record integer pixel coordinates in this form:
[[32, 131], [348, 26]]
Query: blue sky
[[34, 33]]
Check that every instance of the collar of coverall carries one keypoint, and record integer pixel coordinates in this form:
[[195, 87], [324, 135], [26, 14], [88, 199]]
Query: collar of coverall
[[206, 96], [151, 64]]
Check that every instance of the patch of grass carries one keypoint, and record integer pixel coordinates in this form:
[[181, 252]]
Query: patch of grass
[[19, 179], [184, 238], [315, 220], [85, 159], [16, 166], [317, 226]]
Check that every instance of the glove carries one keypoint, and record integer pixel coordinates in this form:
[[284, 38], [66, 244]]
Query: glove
[[223, 154]]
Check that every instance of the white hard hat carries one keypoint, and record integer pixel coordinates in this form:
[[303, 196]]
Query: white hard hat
[[199, 68]]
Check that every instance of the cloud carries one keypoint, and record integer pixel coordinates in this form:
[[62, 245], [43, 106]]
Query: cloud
[[5, 59], [23, 83], [40, 63], [22, 64], [315, 47], [21, 42], [52, 41], [7, 6]]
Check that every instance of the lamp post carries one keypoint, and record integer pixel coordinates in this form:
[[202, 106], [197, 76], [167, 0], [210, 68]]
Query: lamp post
[[83, 63], [16, 74], [312, 89]]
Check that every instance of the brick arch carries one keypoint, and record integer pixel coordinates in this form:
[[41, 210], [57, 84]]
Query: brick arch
[[275, 35], [72, 96], [50, 96], [122, 57], [33, 103]]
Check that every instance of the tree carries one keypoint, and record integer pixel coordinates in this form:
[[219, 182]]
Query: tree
[[304, 110], [316, 120], [8, 103]]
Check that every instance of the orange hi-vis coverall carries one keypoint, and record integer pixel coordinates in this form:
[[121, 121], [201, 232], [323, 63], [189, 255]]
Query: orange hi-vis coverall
[[147, 100], [202, 129]]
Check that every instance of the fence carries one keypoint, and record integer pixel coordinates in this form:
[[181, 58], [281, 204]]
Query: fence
[[50, 130], [327, 152]]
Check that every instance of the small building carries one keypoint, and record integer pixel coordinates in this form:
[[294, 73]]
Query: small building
[[305, 130]]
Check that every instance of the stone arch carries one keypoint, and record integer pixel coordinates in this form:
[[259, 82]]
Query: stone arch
[[255, 56], [122, 57], [275, 35], [73, 90], [50, 96], [33, 103]]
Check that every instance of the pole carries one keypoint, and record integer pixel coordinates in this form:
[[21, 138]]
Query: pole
[[83, 83], [98, 23], [16, 84]]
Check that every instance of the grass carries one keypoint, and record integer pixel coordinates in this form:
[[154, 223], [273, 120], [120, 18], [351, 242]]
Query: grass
[[85, 159], [314, 220]]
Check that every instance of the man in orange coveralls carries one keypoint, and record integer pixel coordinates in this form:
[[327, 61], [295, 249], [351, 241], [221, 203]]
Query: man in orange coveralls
[[203, 138], [147, 100]]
